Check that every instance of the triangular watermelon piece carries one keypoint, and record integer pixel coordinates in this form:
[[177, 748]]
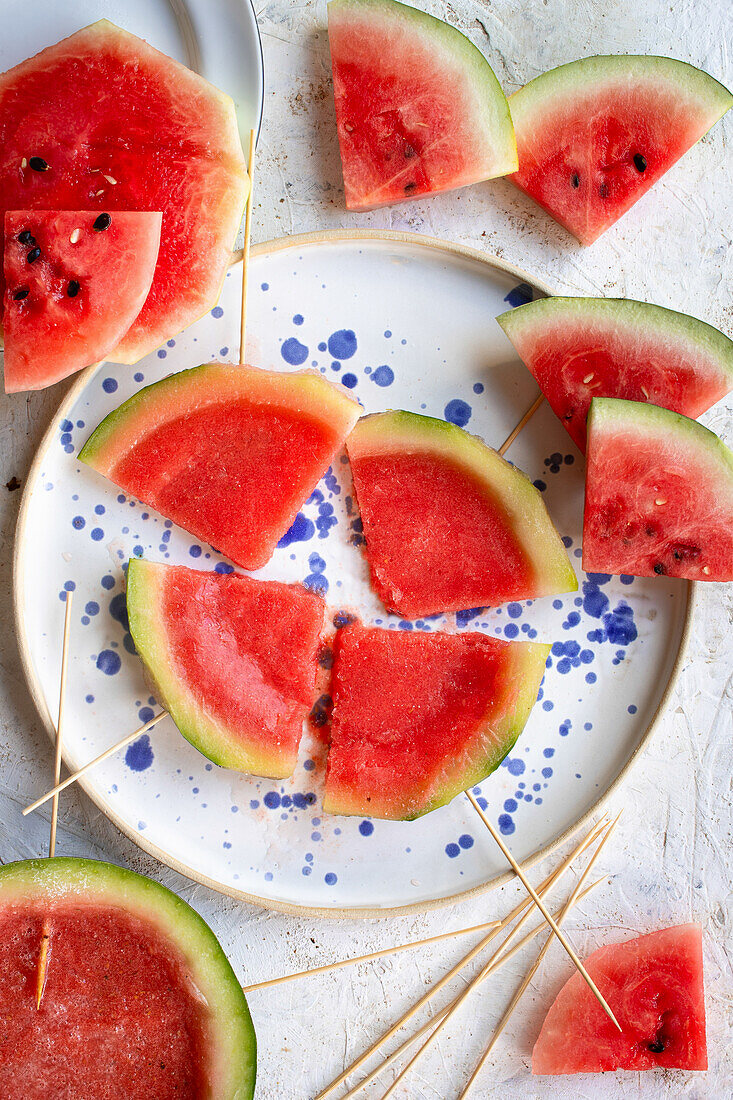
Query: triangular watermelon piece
[[228, 453], [581, 348], [75, 280], [594, 135], [419, 717], [658, 494], [233, 659], [449, 524], [418, 107], [654, 984]]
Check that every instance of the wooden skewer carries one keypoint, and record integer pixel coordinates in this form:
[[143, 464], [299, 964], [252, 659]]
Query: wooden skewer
[[483, 973], [518, 909], [525, 419], [46, 930], [97, 760], [434, 1020], [245, 250], [538, 902], [535, 965], [374, 955]]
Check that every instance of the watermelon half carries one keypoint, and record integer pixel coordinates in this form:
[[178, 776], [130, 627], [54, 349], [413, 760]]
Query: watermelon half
[[654, 984], [658, 494], [74, 283], [139, 1001], [228, 453], [581, 348], [594, 135], [448, 523], [233, 659], [419, 717], [102, 121], [418, 108]]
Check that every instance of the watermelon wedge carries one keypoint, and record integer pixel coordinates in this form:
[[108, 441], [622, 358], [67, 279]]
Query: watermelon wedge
[[74, 283], [593, 136], [418, 108], [209, 446], [102, 121], [658, 494], [581, 348], [419, 717], [233, 659], [449, 524], [139, 999], [654, 984]]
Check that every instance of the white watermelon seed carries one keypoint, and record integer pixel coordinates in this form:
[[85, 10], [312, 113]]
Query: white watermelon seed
[[110, 179], [75, 234], [24, 163], [706, 569], [660, 501], [587, 378]]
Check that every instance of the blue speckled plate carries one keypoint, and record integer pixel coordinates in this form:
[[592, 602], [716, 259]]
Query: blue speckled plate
[[402, 322]]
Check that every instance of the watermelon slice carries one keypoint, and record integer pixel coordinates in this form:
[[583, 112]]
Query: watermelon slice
[[419, 717], [139, 999], [581, 348], [229, 453], [418, 107], [594, 135], [233, 659], [448, 523], [658, 494], [74, 283], [654, 984], [102, 121]]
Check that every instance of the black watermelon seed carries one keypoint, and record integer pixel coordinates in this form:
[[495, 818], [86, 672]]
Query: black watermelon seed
[[26, 237], [639, 162], [657, 1047], [38, 164], [658, 568], [409, 152], [575, 180], [603, 190], [102, 222], [410, 187], [21, 293], [33, 255], [73, 288]]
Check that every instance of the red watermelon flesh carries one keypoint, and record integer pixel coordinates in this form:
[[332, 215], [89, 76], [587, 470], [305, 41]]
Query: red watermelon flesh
[[419, 717], [581, 348], [102, 121], [229, 453], [594, 135], [448, 523], [654, 984], [233, 659], [418, 107], [139, 1001], [71, 290], [658, 494]]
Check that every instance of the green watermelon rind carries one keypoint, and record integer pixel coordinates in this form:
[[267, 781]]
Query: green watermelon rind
[[234, 1045], [213, 738], [648, 319], [492, 112], [532, 525], [566, 81]]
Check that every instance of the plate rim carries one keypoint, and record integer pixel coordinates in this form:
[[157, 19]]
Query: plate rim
[[333, 236]]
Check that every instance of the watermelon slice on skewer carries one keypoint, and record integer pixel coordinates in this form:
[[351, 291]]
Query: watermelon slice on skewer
[[581, 348], [658, 494], [594, 135], [449, 524], [655, 984], [233, 659], [74, 283], [419, 717], [209, 446], [418, 107], [102, 121], [140, 1000]]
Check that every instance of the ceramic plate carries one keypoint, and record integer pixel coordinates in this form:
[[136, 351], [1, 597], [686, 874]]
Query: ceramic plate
[[217, 38], [401, 322]]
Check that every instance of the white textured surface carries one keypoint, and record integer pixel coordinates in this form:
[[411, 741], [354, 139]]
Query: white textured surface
[[670, 861]]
